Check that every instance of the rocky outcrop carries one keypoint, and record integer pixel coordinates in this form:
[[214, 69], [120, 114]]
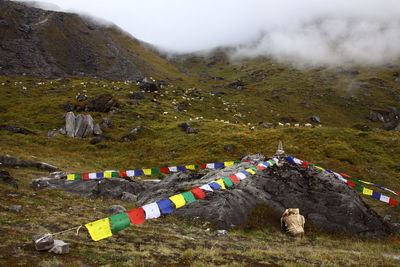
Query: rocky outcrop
[[8, 179], [328, 204], [8, 161], [79, 126], [15, 129]]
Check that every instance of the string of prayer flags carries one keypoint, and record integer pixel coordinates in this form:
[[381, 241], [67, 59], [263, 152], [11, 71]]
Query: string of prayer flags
[[151, 171], [353, 182], [105, 227], [99, 229]]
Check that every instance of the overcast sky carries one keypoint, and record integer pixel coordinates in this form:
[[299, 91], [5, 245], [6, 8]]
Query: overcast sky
[[309, 31]]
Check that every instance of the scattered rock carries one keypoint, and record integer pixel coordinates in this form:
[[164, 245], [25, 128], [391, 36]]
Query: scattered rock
[[58, 175], [98, 139], [105, 123], [128, 197], [68, 107], [103, 103], [397, 80], [387, 218], [148, 86], [229, 148], [14, 129], [80, 97], [97, 129], [187, 128], [138, 96], [7, 178], [43, 242], [15, 162], [222, 233], [129, 138], [115, 209], [16, 208], [315, 119], [60, 247], [62, 131]]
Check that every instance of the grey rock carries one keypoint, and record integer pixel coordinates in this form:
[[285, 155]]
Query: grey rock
[[70, 124], [81, 97], [58, 175], [62, 131], [387, 218], [84, 126], [16, 208], [397, 80], [15, 129], [138, 95], [97, 129], [128, 197], [115, 209], [98, 139], [60, 247], [187, 128], [15, 162], [148, 86], [103, 103], [110, 188], [229, 148], [43, 242], [315, 119], [105, 123], [129, 138], [7, 178], [222, 233]]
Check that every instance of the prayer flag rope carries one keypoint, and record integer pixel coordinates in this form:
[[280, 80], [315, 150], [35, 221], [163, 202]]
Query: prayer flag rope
[[104, 228], [352, 182], [151, 171]]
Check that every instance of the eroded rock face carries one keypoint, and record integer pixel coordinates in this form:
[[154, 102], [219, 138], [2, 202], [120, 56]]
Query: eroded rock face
[[79, 126], [327, 203]]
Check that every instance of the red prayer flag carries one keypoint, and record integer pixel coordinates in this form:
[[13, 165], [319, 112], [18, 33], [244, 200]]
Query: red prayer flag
[[123, 174], [234, 179], [164, 170], [350, 183], [345, 175], [260, 167], [85, 176], [203, 166], [198, 193], [304, 164], [136, 215], [393, 202]]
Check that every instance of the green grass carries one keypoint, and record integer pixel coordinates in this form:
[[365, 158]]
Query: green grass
[[369, 155]]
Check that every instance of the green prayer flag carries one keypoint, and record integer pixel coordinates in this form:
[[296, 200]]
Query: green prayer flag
[[119, 221], [237, 161], [155, 171], [78, 177], [228, 182], [115, 174], [354, 180], [254, 169], [189, 197], [359, 188]]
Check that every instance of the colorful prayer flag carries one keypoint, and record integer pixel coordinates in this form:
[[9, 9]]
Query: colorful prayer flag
[[215, 186], [152, 211], [119, 221], [221, 183], [166, 206], [146, 171], [198, 193], [99, 229], [136, 216], [178, 200], [70, 177], [189, 197], [228, 182]]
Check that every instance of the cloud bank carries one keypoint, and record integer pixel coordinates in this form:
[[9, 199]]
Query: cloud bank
[[305, 32]]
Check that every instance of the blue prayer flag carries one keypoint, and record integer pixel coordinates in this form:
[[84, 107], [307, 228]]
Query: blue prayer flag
[[215, 186], [166, 206]]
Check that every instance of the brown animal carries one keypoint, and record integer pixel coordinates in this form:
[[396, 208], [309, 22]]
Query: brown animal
[[292, 222]]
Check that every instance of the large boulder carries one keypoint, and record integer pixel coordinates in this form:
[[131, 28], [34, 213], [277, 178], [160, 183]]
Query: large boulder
[[79, 126], [103, 103]]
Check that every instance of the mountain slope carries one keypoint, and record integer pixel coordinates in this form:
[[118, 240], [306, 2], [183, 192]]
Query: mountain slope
[[36, 42]]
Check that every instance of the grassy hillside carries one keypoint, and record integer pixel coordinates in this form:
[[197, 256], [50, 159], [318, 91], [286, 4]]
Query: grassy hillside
[[212, 108]]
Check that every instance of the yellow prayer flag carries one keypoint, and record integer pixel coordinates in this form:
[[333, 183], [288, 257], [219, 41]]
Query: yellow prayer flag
[[71, 177], [318, 167], [228, 163], [365, 182], [251, 171], [367, 191], [99, 229], [107, 174], [178, 200], [221, 183], [191, 167], [147, 171]]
